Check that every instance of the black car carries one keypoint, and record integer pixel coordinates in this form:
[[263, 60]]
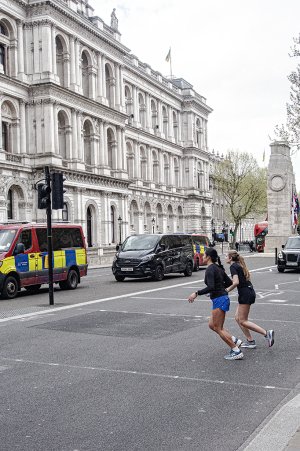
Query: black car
[[289, 256], [154, 256]]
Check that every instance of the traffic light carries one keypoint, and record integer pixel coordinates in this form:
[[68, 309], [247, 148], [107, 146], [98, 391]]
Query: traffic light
[[43, 195], [57, 190]]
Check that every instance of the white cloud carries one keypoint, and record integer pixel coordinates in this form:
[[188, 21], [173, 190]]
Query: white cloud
[[234, 52]]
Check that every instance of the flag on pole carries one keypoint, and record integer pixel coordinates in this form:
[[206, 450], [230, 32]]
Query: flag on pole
[[295, 209], [168, 57], [264, 155]]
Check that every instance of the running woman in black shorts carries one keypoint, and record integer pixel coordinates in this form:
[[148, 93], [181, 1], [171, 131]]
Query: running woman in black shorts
[[241, 279], [215, 280]]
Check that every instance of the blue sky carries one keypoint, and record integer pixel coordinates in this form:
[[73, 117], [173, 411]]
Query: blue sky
[[234, 52]]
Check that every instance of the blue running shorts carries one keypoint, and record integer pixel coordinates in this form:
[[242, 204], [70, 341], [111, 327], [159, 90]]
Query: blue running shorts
[[223, 302]]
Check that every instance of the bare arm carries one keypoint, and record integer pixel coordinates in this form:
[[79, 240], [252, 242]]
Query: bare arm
[[235, 282]]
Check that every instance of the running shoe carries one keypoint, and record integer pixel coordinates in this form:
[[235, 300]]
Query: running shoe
[[234, 355], [237, 341], [248, 344], [270, 337]]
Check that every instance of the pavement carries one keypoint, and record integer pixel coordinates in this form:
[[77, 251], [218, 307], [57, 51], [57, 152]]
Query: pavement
[[282, 431]]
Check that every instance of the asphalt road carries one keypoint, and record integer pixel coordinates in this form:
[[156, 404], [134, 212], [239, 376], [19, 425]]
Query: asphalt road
[[133, 366]]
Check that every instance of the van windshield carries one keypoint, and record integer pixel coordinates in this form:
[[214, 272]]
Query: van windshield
[[293, 243], [6, 238], [140, 242]]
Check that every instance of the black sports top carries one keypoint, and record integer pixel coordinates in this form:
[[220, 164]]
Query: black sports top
[[215, 279], [237, 270]]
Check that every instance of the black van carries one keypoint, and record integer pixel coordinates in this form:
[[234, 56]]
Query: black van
[[154, 256]]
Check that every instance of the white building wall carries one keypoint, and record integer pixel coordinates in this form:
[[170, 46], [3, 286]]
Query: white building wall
[[32, 102]]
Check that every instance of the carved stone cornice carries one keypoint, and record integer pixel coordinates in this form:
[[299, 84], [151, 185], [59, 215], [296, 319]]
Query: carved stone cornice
[[79, 25], [73, 100]]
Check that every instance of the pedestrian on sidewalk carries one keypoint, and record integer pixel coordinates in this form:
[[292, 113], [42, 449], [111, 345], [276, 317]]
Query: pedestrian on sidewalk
[[241, 279], [215, 280]]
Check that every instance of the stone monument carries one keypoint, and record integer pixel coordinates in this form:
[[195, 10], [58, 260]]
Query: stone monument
[[281, 185]]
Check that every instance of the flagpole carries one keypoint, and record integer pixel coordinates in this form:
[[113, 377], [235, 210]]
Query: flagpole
[[171, 73]]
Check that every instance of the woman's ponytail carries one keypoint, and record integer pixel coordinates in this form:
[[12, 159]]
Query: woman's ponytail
[[220, 263], [235, 257]]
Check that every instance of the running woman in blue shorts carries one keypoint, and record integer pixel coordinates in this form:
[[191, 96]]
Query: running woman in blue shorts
[[241, 279], [215, 280]]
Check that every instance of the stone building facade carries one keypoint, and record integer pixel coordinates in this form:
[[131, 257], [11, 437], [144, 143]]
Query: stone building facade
[[131, 143]]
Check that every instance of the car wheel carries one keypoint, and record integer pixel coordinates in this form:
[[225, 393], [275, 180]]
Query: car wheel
[[119, 278], [280, 269], [33, 288], [188, 270], [71, 282], [159, 273], [197, 265], [10, 288]]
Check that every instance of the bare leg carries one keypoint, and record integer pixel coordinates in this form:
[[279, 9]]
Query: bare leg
[[216, 323], [241, 318]]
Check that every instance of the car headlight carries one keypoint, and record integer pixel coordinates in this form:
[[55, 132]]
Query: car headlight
[[147, 258], [280, 255]]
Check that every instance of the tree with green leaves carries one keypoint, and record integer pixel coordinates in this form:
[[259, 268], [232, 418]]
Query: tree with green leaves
[[290, 132], [243, 185]]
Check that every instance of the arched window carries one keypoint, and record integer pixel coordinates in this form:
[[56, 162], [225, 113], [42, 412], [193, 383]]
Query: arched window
[[5, 136], [89, 227], [176, 172], [199, 176], [166, 170], [65, 212], [2, 59], [143, 164], [142, 111], [198, 133], [111, 149], [130, 160], [109, 84], [62, 138], [85, 75], [87, 141], [155, 167], [60, 60], [175, 126], [113, 224], [10, 205], [165, 121], [153, 114], [128, 101], [3, 47], [9, 127]]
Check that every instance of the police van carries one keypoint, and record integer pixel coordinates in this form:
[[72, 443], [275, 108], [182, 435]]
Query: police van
[[24, 257]]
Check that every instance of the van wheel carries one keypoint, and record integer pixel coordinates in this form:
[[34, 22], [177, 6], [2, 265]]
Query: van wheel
[[197, 265], [10, 288], [158, 274], [33, 288], [119, 278], [280, 269], [188, 270], [71, 282]]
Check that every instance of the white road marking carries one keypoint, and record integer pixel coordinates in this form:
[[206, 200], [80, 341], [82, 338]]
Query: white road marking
[[96, 301], [276, 287], [142, 373]]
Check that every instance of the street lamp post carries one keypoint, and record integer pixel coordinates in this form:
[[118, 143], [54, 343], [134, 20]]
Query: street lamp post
[[153, 224], [120, 230]]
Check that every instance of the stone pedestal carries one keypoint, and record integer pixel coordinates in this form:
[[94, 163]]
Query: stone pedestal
[[281, 183]]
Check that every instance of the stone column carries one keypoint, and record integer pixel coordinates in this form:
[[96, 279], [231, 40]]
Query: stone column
[[74, 150], [23, 145], [117, 86], [72, 63], [99, 78], [21, 74], [36, 51], [54, 66], [79, 136], [49, 129], [281, 183], [47, 53]]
